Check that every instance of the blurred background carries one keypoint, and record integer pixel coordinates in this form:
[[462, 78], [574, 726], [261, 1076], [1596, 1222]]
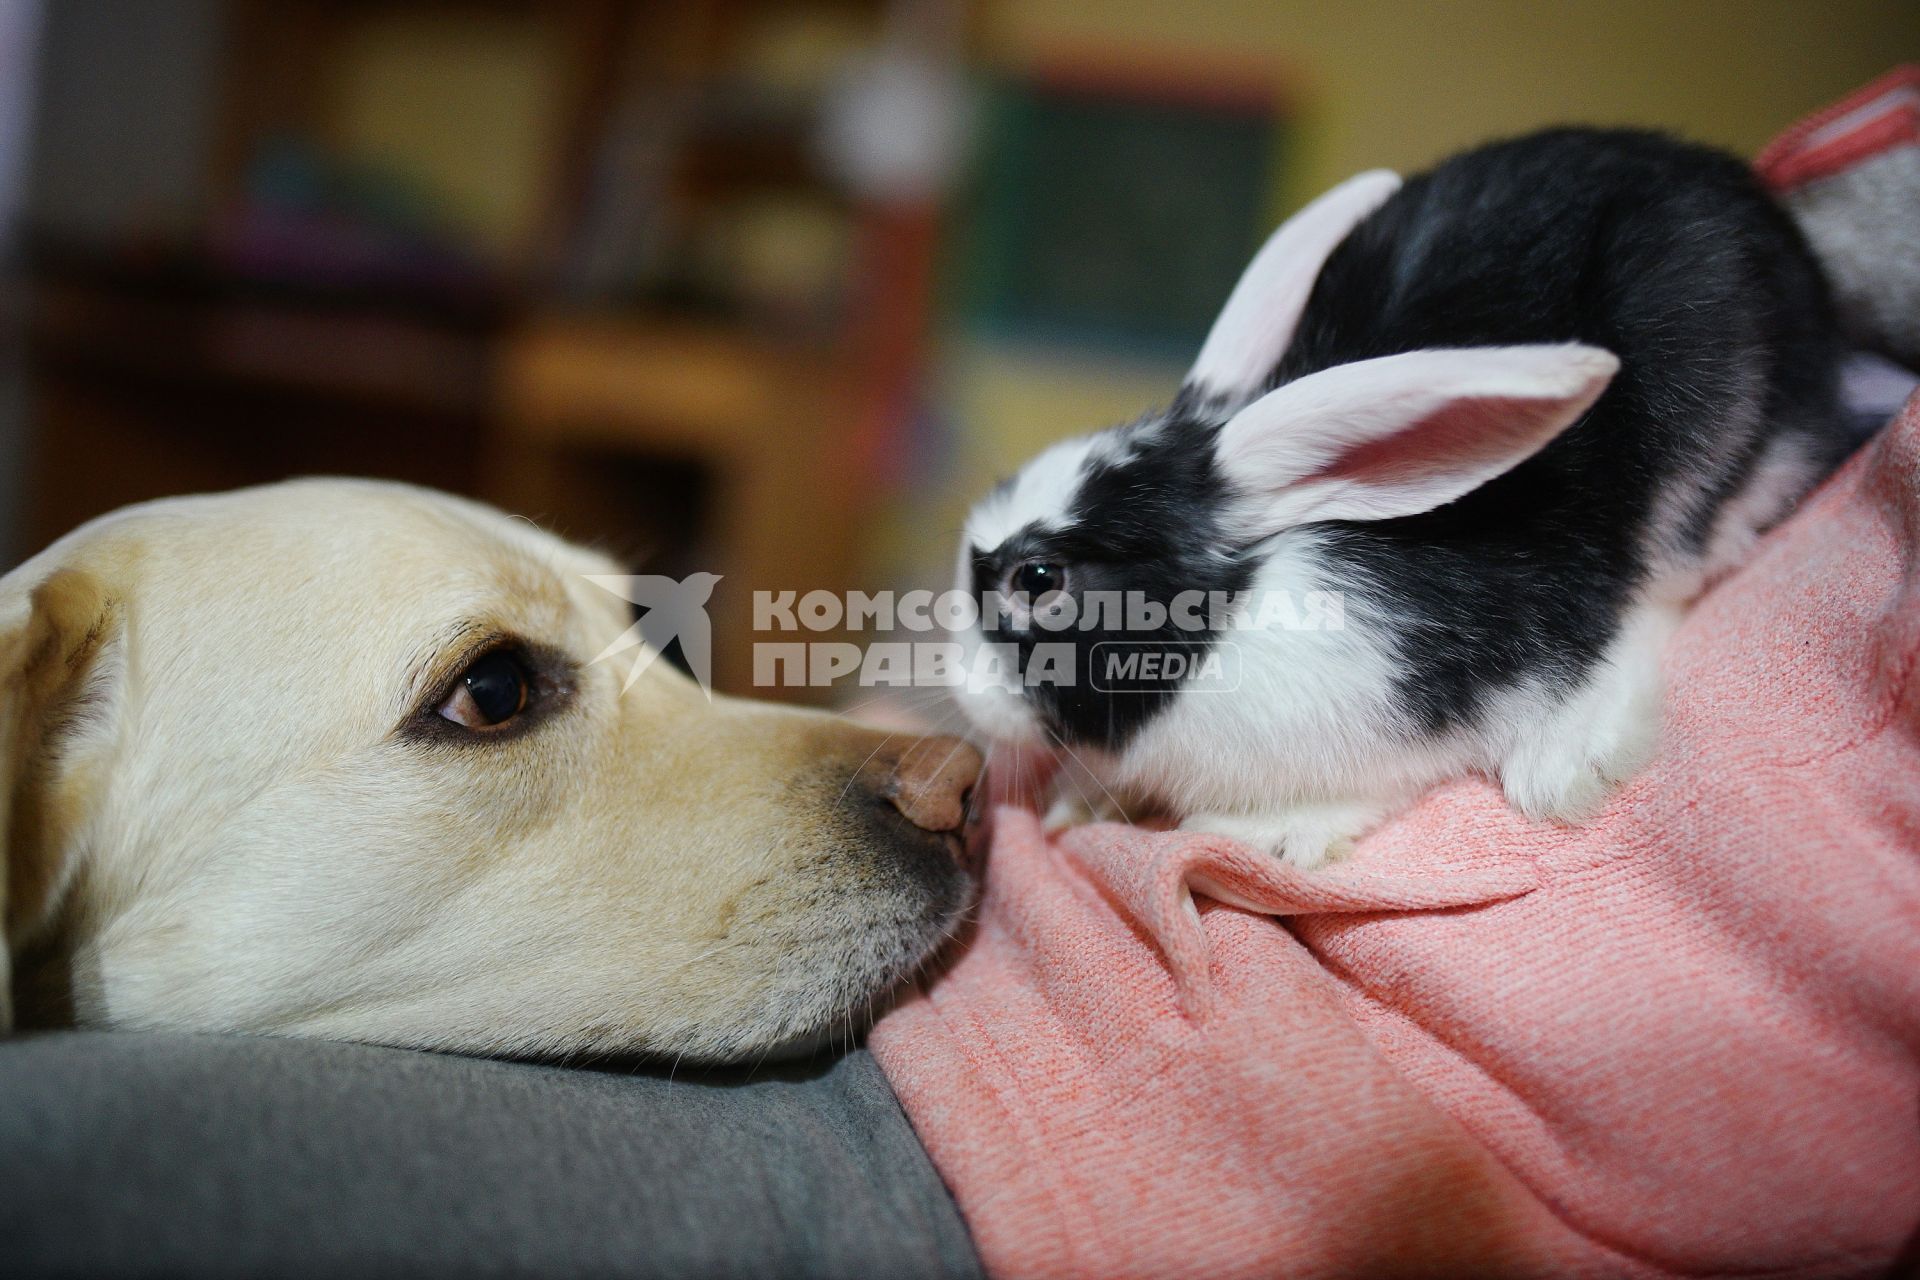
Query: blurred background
[[767, 287]]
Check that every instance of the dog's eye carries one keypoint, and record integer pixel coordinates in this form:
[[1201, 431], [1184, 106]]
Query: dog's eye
[[489, 693]]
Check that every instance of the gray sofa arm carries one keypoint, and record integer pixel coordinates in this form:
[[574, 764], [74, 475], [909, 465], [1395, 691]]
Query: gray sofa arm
[[159, 1154]]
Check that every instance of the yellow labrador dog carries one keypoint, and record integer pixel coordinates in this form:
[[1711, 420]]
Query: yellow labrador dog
[[331, 758]]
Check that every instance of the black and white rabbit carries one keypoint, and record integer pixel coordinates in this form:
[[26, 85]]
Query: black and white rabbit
[[1511, 415]]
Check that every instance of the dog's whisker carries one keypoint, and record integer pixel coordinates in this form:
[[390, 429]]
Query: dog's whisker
[[971, 808], [1091, 775], [1085, 799], [976, 798], [862, 765], [708, 954], [958, 745], [678, 1058], [928, 698]]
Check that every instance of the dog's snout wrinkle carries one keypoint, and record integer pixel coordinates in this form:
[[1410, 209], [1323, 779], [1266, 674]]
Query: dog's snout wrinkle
[[931, 782]]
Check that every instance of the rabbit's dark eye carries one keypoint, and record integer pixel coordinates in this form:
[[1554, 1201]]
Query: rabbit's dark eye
[[1037, 578]]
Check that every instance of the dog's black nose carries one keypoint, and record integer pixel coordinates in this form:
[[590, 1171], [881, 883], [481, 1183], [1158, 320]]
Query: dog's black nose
[[930, 781]]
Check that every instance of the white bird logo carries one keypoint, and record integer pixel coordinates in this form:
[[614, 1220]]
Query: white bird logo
[[673, 609]]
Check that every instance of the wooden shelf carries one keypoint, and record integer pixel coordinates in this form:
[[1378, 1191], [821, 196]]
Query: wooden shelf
[[764, 423], [680, 387], [362, 354]]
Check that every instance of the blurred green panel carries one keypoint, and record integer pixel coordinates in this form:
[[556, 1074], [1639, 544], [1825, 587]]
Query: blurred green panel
[[1112, 218]]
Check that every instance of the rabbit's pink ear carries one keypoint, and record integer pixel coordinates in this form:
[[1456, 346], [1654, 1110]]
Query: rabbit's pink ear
[[1402, 434], [1257, 323]]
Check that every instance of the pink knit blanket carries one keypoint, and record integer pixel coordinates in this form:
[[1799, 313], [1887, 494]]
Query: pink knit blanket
[[1683, 1039]]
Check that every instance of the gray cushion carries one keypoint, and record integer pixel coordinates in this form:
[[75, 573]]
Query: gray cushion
[[149, 1154]]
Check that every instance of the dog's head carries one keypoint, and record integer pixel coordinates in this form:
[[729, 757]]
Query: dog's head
[[333, 758]]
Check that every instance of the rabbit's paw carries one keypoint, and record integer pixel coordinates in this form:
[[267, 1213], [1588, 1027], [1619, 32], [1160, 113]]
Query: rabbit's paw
[[1071, 809], [1306, 837], [1567, 761]]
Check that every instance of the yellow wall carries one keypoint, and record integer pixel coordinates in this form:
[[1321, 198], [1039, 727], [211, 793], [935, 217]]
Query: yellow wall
[[1402, 84], [465, 104]]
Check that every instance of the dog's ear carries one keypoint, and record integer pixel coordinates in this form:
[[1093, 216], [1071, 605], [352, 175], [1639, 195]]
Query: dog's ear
[[61, 668]]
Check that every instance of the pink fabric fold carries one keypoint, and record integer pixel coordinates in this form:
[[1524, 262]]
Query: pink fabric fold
[[1868, 122], [1682, 1039]]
